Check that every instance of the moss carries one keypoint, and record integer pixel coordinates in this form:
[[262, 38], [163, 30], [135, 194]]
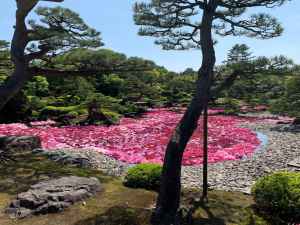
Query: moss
[[27, 169], [117, 204], [222, 208]]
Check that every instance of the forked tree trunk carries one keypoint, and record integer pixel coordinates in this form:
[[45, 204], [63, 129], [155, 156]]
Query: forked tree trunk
[[169, 196]]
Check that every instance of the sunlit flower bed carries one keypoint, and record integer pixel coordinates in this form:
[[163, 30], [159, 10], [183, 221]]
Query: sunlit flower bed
[[145, 139]]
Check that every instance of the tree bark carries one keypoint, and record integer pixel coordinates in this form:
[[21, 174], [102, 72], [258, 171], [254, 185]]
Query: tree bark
[[169, 196], [205, 153], [19, 42]]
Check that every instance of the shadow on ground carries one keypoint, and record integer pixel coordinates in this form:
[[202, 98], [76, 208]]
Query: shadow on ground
[[119, 215], [116, 205]]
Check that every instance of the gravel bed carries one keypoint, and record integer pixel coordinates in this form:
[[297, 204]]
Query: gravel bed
[[282, 148], [87, 158], [240, 175]]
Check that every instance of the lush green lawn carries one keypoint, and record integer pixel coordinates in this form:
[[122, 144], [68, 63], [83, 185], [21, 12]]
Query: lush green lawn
[[116, 205]]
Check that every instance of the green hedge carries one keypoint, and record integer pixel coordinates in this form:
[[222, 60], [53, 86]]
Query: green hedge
[[278, 197], [144, 176]]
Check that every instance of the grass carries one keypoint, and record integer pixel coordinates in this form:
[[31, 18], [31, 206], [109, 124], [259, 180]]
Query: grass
[[116, 205]]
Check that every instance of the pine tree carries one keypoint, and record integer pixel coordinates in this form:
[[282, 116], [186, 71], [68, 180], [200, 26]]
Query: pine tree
[[182, 25], [239, 53], [58, 31]]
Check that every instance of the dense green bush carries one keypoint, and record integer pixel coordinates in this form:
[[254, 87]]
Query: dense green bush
[[113, 117], [278, 197], [38, 86], [231, 106], [63, 115], [144, 176]]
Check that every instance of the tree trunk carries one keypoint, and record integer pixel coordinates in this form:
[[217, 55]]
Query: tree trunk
[[15, 83], [19, 42], [205, 153], [169, 196]]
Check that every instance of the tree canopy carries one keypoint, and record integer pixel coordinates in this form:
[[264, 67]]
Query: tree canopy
[[175, 25]]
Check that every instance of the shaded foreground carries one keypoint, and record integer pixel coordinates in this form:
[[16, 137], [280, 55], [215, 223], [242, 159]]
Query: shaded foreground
[[116, 205]]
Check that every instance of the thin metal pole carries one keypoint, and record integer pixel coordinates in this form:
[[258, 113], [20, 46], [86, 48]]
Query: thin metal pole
[[205, 153]]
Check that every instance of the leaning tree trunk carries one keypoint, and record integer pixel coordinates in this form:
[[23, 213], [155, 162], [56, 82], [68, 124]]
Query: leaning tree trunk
[[169, 196], [20, 75]]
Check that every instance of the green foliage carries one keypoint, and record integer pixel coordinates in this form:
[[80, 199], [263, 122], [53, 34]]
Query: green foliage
[[252, 219], [39, 86], [61, 29], [37, 103], [2, 79], [289, 103], [111, 85], [144, 176], [231, 105], [132, 110], [180, 88], [56, 112], [174, 26], [278, 197], [103, 101], [113, 117]]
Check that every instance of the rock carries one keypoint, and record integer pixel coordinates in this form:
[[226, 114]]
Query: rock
[[294, 128], [53, 196], [14, 144], [297, 121], [295, 163]]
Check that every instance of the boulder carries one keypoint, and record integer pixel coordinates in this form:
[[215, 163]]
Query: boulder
[[53, 196], [19, 143]]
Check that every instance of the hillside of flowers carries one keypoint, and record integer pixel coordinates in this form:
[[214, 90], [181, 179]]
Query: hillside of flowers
[[145, 139]]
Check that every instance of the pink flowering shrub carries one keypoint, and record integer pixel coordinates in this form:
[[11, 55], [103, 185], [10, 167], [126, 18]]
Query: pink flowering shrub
[[144, 140]]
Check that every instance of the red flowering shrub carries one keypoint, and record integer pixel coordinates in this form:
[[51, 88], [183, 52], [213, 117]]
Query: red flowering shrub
[[144, 140]]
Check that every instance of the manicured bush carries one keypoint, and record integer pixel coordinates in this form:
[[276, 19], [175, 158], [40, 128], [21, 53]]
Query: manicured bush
[[231, 106], [58, 111], [278, 197], [144, 176], [113, 117]]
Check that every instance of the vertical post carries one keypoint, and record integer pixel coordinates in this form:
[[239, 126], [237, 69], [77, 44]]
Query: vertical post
[[205, 152]]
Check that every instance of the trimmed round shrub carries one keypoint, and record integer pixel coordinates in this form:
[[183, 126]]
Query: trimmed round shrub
[[144, 176], [277, 196]]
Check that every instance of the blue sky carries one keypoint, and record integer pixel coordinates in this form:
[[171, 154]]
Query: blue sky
[[114, 19]]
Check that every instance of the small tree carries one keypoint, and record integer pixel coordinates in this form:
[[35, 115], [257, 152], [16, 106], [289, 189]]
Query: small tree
[[176, 25], [239, 53]]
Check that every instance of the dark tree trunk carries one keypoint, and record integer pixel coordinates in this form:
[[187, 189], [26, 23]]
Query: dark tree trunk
[[19, 42], [169, 196], [205, 153]]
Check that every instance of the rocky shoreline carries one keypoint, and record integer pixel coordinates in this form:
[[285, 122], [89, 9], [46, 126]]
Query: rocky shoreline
[[282, 148]]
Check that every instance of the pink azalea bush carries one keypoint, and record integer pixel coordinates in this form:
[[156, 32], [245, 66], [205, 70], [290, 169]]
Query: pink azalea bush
[[144, 140]]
